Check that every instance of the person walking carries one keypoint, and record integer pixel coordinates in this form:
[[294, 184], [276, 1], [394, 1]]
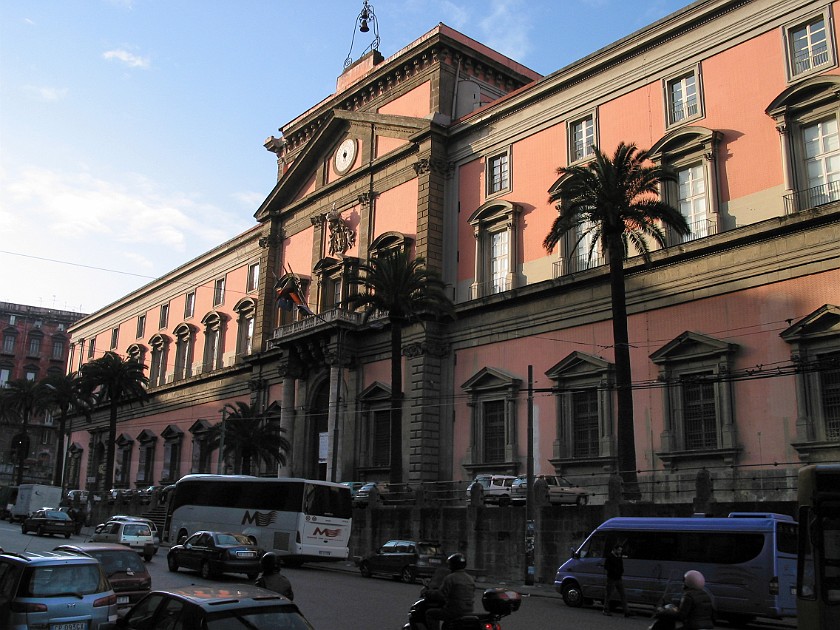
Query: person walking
[[614, 568], [271, 578]]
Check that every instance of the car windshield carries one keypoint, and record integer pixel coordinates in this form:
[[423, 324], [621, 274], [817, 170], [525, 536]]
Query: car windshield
[[56, 515], [274, 617], [137, 529], [232, 539], [64, 579], [114, 562]]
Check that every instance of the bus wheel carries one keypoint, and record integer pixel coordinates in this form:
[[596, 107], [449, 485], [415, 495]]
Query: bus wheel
[[572, 595], [364, 569]]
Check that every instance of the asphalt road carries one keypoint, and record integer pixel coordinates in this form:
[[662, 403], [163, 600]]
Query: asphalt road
[[336, 597]]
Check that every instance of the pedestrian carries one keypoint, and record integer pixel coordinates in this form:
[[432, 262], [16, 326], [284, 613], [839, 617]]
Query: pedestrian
[[614, 568], [696, 609], [271, 578]]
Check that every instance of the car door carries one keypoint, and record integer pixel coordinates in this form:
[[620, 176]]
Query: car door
[[189, 555], [110, 533], [384, 561]]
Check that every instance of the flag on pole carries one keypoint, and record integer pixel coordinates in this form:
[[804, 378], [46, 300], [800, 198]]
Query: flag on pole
[[289, 294]]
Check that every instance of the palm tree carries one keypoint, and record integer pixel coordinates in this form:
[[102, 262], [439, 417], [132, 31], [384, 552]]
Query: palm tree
[[114, 380], [250, 437], [616, 202], [405, 290], [21, 399], [64, 393]]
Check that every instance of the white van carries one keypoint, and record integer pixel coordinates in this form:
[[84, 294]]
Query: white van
[[495, 488], [747, 558]]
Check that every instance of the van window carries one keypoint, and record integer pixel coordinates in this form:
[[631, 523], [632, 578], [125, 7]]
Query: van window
[[701, 547], [787, 537], [593, 547]]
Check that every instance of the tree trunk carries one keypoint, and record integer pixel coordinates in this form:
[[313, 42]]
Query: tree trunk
[[625, 428], [58, 475], [108, 480], [396, 473]]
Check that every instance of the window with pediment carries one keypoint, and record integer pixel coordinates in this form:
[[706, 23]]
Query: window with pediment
[[375, 439], [697, 399], [246, 311], [137, 352], [815, 350], [74, 464], [184, 346], [493, 395], [157, 368], [579, 249], [202, 447], [122, 461], [807, 116], [690, 152], [584, 393], [146, 457], [334, 276], [495, 227], [173, 438], [214, 335], [59, 343], [288, 311]]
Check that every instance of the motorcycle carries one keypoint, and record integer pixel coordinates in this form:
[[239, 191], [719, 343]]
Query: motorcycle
[[497, 602], [664, 618]]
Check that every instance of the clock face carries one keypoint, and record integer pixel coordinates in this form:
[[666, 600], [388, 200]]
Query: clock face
[[345, 156]]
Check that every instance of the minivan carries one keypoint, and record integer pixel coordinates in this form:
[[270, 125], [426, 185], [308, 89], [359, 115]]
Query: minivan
[[747, 558], [134, 534]]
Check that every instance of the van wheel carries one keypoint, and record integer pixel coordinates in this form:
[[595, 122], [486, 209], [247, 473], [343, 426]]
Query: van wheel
[[504, 501], [407, 575], [572, 595]]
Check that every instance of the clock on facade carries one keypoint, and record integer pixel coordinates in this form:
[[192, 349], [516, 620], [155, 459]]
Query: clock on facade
[[345, 155]]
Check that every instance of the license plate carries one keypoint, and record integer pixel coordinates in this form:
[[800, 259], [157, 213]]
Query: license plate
[[434, 561], [246, 554], [324, 553], [72, 625], [123, 599]]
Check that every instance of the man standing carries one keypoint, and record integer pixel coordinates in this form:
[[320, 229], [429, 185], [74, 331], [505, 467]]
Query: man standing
[[614, 567]]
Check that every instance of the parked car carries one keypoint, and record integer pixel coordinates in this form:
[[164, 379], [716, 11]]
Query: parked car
[[389, 493], [55, 589], [244, 606], [496, 488], [123, 567], [121, 494], [213, 553], [560, 490], [404, 559], [78, 496], [145, 495], [354, 486], [134, 534], [49, 521], [139, 519]]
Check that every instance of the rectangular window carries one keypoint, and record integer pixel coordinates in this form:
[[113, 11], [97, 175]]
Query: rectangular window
[[30, 375], [12, 320], [830, 394], [499, 261], [115, 338], [822, 161], [581, 138], [699, 412], [91, 348], [381, 452], [253, 277], [9, 344], [5, 374], [808, 46], [141, 326], [494, 430], [57, 349], [219, 292], [692, 199], [585, 423], [189, 305], [164, 316], [682, 95], [34, 346], [498, 173]]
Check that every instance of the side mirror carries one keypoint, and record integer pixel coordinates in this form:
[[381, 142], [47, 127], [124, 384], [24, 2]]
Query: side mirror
[[182, 540], [187, 546], [574, 553]]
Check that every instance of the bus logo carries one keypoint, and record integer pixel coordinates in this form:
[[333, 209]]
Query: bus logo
[[329, 533], [262, 519]]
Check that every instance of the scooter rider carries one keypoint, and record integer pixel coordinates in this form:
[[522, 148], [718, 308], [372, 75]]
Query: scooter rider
[[271, 578], [457, 593], [696, 609]]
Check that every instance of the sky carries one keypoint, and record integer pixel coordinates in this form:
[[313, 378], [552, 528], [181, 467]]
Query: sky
[[132, 131]]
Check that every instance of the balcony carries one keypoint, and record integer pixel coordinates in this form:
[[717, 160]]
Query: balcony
[[484, 289], [699, 229], [813, 197], [327, 320]]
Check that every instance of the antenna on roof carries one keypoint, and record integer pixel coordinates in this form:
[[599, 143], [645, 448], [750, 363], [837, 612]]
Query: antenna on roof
[[364, 21]]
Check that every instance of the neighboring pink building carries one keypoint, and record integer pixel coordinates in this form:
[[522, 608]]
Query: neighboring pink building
[[451, 150]]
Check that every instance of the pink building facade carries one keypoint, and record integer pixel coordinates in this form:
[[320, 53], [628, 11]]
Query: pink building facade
[[450, 150]]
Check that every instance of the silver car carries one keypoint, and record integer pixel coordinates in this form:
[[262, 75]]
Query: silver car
[[134, 534], [55, 589]]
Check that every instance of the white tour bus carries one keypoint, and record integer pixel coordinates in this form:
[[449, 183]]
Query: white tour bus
[[748, 560], [300, 519]]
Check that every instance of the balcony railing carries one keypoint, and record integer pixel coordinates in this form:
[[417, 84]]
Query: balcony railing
[[806, 59], [483, 289], [327, 319], [700, 229], [812, 197]]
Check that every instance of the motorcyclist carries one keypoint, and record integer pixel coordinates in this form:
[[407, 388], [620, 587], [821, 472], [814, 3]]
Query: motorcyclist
[[457, 593], [271, 578], [695, 610]]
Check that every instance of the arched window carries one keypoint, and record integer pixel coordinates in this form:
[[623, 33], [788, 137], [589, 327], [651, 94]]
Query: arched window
[[334, 275], [137, 352], [157, 370], [173, 438], [214, 341], [495, 226], [184, 343], [202, 450], [146, 457], [122, 469], [246, 311]]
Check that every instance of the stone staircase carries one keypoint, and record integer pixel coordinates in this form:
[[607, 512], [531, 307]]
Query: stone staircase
[[157, 515]]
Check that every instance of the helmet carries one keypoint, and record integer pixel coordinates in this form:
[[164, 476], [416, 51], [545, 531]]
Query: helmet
[[270, 562], [456, 562], [694, 579]]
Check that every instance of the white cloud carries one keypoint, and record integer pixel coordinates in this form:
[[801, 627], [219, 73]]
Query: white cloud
[[130, 59], [507, 28], [46, 93]]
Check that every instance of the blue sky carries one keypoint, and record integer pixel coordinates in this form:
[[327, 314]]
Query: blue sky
[[131, 131]]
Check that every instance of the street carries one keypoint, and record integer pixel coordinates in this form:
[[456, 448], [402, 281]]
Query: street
[[337, 597]]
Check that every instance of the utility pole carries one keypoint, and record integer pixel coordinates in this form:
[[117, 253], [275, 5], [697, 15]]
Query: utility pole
[[530, 529], [219, 469], [338, 371]]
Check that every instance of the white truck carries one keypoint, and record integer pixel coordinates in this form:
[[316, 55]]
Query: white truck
[[32, 497]]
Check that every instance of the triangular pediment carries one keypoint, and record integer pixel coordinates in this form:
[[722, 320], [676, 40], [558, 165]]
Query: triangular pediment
[[171, 431], [491, 379], [303, 174], [691, 346], [200, 426], [374, 392], [579, 365], [823, 322], [123, 439]]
